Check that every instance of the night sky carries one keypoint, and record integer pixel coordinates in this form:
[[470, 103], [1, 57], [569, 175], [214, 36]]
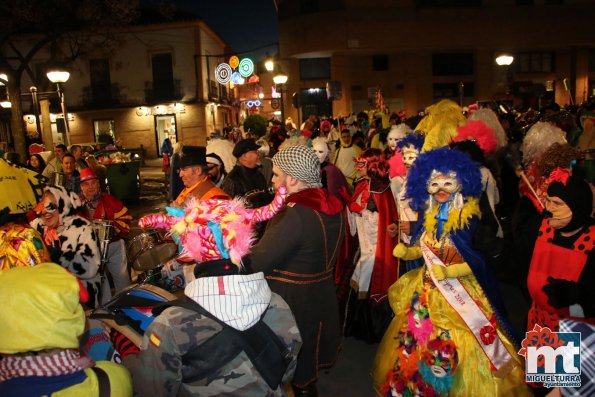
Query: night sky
[[249, 27]]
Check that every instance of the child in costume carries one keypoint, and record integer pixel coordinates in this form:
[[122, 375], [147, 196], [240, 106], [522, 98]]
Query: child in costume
[[449, 335]]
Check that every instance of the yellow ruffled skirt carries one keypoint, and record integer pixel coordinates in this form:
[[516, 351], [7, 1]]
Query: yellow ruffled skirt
[[428, 349]]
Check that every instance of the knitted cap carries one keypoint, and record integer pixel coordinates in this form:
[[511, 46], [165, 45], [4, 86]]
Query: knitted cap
[[300, 162], [577, 195]]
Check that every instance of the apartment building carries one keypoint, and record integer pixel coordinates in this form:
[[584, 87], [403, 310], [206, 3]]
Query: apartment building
[[420, 51], [157, 82]]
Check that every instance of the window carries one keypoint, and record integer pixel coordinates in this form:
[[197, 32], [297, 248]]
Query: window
[[535, 62], [454, 64], [101, 85], [452, 90], [315, 69], [163, 76], [105, 131], [380, 62]]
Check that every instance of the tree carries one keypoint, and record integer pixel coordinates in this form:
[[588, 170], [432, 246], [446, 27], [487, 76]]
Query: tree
[[66, 28], [256, 124]]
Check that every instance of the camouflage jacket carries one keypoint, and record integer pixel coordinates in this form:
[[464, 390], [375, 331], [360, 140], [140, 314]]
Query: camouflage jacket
[[159, 368]]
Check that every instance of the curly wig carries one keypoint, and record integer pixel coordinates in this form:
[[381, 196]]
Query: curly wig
[[443, 160], [558, 155], [539, 138], [490, 118], [376, 165], [413, 138], [480, 132]]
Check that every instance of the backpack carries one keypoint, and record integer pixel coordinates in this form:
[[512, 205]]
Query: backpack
[[266, 351]]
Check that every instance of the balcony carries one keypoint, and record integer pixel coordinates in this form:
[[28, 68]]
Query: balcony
[[163, 91], [99, 95]]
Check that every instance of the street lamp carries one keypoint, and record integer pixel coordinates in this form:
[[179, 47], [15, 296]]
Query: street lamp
[[280, 79], [269, 65], [57, 76], [504, 59]]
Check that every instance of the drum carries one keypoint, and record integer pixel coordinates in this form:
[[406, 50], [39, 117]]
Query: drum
[[150, 250], [130, 311]]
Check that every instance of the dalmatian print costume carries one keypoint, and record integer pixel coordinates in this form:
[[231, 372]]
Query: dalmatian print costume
[[76, 248]]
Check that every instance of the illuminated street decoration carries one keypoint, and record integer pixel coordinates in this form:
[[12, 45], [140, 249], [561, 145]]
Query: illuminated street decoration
[[234, 71], [254, 103], [246, 67], [236, 78], [234, 61], [223, 73]]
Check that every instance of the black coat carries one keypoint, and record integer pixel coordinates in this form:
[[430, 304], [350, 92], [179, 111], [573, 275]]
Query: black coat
[[297, 255]]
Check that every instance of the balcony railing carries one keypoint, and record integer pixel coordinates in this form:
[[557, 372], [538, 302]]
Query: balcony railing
[[163, 90], [101, 95]]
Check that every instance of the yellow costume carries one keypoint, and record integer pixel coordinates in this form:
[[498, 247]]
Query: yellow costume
[[428, 348]]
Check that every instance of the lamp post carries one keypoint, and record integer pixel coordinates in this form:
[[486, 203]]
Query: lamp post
[[505, 60], [57, 76], [280, 80]]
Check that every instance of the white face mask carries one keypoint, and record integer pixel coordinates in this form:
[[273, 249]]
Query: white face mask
[[410, 153], [321, 151], [394, 137]]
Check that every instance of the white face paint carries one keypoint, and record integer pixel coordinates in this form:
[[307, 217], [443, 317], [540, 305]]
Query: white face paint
[[320, 150], [394, 136]]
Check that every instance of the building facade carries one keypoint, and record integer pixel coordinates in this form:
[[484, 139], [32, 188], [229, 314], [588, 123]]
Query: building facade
[[420, 51], [157, 82]]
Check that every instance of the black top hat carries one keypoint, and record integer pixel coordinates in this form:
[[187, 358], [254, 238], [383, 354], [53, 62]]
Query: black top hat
[[193, 155], [244, 146]]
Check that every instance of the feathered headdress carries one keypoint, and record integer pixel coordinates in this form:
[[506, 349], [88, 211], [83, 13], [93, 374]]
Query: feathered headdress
[[440, 124], [478, 131], [214, 229], [443, 160]]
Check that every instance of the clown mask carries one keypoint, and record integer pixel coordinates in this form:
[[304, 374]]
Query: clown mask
[[410, 153], [561, 213], [320, 149]]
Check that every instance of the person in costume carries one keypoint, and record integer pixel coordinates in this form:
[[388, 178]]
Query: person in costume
[[409, 148], [345, 155], [178, 354], [562, 266], [70, 238], [539, 138], [331, 177], [99, 206], [42, 322], [297, 253], [396, 133], [449, 335], [372, 208], [194, 173]]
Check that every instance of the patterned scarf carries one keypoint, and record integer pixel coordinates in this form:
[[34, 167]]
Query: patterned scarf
[[50, 363]]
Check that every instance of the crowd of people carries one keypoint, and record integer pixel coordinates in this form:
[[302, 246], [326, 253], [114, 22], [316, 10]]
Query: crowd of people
[[378, 226]]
